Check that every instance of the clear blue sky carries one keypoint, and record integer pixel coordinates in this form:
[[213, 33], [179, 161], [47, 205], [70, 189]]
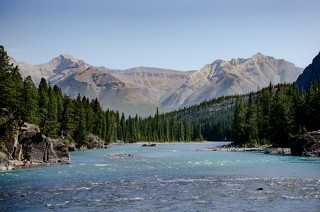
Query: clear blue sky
[[177, 34]]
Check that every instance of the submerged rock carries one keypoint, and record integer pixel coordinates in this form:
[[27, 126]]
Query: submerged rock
[[307, 145]]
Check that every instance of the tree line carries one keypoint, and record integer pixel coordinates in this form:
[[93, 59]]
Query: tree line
[[276, 115]]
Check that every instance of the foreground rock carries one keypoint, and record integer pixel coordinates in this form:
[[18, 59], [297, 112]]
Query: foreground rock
[[35, 147], [307, 145], [26, 145]]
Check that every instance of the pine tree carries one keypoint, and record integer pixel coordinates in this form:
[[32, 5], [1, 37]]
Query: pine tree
[[29, 96], [281, 120], [123, 129], [51, 124], [251, 128], [312, 103], [239, 123], [59, 98], [80, 133], [11, 84], [90, 115], [43, 102], [67, 117], [264, 102]]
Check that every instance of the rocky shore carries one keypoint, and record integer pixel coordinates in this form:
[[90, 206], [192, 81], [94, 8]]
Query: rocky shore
[[28, 147], [25, 145], [264, 149]]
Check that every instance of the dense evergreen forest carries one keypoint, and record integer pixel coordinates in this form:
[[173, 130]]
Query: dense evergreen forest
[[274, 115]]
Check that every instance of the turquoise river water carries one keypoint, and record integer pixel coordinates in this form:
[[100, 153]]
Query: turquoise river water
[[169, 177]]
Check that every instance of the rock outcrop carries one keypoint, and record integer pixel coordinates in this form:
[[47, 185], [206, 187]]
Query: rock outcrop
[[26, 145], [95, 142], [307, 145], [4, 162], [35, 147]]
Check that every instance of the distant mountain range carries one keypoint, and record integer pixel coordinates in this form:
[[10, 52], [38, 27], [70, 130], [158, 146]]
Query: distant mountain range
[[140, 90]]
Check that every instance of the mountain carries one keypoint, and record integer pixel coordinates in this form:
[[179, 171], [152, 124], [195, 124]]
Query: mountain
[[142, 89], [310, 73], [50, 69], [75, 77], [237, 76], [154, 83]]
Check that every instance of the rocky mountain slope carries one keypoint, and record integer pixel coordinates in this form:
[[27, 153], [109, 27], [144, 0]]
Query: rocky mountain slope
[[310, 73], [140, 90], [155, 83], [237, 76]]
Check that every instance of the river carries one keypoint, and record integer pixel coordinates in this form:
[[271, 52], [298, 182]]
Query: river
[[169, 177]]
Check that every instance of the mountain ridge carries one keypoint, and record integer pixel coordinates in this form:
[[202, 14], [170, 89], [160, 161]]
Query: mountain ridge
[[168, 89]]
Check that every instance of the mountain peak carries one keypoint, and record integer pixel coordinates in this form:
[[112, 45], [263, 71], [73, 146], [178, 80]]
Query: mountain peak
[[68, 56], [258, 56], [66, 61]]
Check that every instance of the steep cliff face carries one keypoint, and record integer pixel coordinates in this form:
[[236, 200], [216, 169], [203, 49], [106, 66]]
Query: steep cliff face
[[27, 144], [310, 73]]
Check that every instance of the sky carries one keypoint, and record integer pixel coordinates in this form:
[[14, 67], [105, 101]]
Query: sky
[[174, 34]]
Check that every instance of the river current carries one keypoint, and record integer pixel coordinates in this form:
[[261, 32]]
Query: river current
[[169, 177]]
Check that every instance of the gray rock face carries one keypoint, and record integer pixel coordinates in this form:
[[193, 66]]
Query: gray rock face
[[95, 142], [4, 162], [28, 144], [307, 145], [39, 149]]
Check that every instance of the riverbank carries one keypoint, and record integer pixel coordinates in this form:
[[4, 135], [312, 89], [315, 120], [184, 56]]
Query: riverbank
[[263, 149]]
